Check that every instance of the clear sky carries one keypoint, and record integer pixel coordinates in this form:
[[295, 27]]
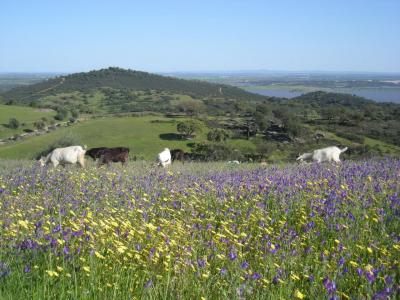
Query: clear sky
[[200, 35]]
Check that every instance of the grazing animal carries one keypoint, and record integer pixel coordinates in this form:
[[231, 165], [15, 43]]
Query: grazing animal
[[95, 153], [164, 158], [236, 162], [117, 154], [322, 155], [178, 154], [63, 156]]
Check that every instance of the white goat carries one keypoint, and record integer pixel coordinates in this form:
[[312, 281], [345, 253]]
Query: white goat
[[164, 157], [63, 156], [322, 155]]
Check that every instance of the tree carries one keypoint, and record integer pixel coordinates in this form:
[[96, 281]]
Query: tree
[[190, 107], [13, 123], [40, 125], [188, 128], [61, 114], [217, 135], [75, 113]]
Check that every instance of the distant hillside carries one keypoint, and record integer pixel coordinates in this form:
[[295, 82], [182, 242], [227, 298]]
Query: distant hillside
[[118, 79]]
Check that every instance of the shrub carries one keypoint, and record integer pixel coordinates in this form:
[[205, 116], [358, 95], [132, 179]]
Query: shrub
[[61, 114], [40, 125], [13, 123], [217, 135], [188, 128], [216, 151]]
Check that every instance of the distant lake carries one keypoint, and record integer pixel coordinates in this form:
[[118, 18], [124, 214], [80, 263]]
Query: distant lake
[[376, 94]]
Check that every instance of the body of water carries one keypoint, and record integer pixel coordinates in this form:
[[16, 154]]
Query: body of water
[[376, 94]]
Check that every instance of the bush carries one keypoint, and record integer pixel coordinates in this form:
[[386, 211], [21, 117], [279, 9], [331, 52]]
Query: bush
[[217, 135], [211, 152], [40, 125], [351, 136], [188, 128], [61, 114], [13, 123]]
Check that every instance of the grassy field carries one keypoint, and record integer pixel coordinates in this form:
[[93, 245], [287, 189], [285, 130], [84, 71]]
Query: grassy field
[[145, 136], [24, 115], [200, 231]]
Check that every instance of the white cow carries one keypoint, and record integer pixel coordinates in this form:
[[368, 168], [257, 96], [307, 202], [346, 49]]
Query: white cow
[[164, 158], [325, 154], [67, 155], [236, 162]]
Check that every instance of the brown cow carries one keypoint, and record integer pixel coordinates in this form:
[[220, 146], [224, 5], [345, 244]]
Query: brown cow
[[178, 154], [117, 154], [95, 153]]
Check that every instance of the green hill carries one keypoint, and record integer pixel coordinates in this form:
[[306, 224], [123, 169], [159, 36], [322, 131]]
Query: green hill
[[121, 79]]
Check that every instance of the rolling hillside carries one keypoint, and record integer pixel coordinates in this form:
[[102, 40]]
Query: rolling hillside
[[25, 115], [116, 78], [277, 128], [145, 136]]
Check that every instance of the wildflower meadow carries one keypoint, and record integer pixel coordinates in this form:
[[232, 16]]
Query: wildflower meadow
[[201, 231]]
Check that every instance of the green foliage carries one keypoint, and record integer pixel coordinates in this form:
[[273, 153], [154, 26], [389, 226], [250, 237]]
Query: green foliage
[[351, 137], [75, 113], [61, 114], [39, 125], [264, 147], [216, 151], [188, 128], [13, 123], [217, 135], [121, 79], [190, 107]]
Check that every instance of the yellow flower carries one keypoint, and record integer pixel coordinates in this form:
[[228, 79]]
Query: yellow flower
[[354, 264], [23, 224], [98, 255], [295, 277], [86, 269], [52, 273], [299, 295], [59, 269], [369, 249]]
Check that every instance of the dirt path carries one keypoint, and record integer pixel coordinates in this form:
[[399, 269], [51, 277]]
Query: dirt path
[[62, 80]]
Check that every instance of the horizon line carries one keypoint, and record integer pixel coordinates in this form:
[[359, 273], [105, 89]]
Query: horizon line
[[234, 71]]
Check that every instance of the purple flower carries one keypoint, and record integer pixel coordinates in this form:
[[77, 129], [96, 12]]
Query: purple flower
[[330, 285], [201, 263], [256, 276], [244, 265], [4, 270], [148, 284], [223, 272], [77, 233], [66, 250], [27, 269], [370, 276], [232, 256]]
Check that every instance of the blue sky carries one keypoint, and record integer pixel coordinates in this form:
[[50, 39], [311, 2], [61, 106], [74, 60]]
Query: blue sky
[[162, 36]]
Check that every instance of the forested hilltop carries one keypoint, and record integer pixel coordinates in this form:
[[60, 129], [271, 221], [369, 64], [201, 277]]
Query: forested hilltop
[[254, 124], [117, 78]]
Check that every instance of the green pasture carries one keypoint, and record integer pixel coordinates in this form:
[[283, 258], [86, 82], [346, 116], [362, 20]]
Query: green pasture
[[25, 115], [145, 136]]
